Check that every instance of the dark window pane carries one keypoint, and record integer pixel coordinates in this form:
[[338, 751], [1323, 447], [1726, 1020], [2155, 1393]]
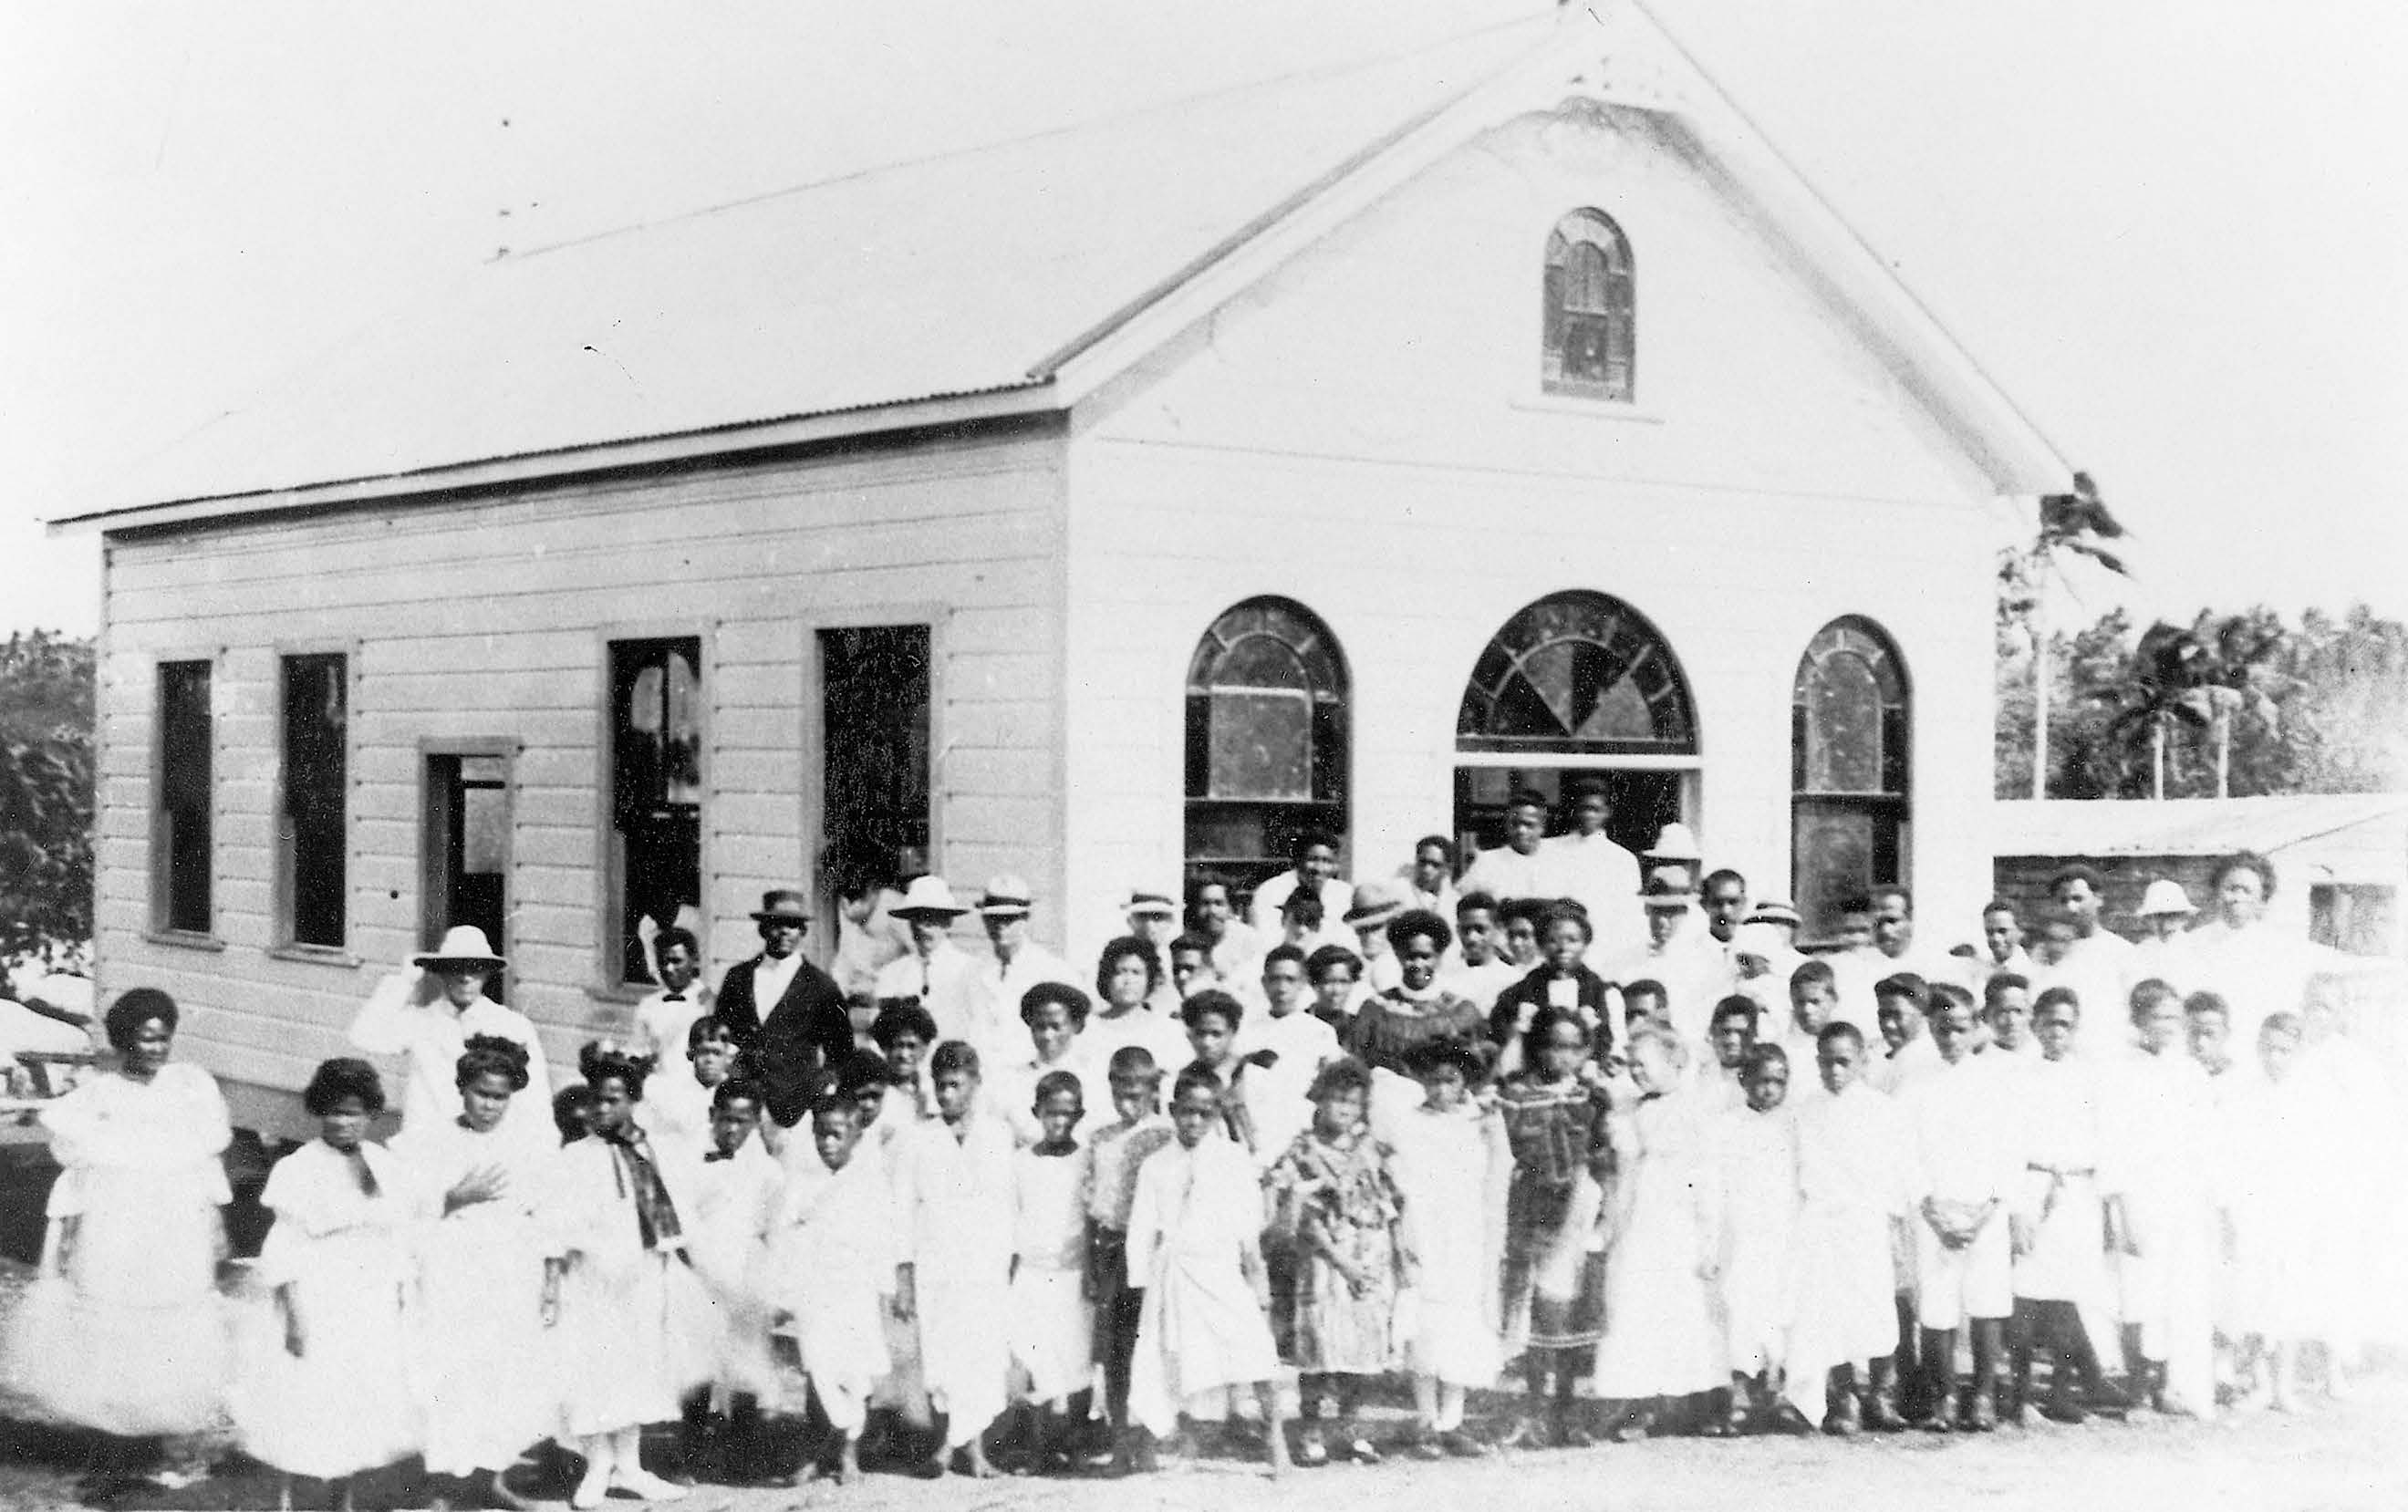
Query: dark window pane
[[875, 703], [316, 783], [1266, 748], [655, 786], [1577, 673], [1842, 727], [1587, 309], [185, 753], [1262, 745]]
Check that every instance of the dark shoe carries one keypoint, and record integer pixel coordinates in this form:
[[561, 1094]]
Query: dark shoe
[[1944, 1415], [1982, 1413], [1846, 1419], [1461, 1445], [1787, 1419], [1879, 1407], [1424, 1445], [1362, 1451]]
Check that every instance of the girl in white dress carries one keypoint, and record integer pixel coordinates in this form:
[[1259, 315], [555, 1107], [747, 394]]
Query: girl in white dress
[[325, 1388], [483, 1327], [123, 1329], [1663, 1337], [1448, 1152], [634, 1324]]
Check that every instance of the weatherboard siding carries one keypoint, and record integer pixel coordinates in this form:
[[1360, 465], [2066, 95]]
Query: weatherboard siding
[[472, 619], [1364, 431]]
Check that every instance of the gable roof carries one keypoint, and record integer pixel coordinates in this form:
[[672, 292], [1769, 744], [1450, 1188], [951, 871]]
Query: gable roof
[[2183, 826], [1010, 279]]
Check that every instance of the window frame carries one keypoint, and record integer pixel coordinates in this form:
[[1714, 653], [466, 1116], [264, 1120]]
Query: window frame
[[1620, 315], [433, 823], [1330, 779], [286, 945], [609, 862], [162, 927], [1526, 751], [1891, 808], [810, 867]]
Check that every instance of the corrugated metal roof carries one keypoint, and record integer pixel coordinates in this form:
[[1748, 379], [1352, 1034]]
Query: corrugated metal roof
[[2180, 826], [949, 276]]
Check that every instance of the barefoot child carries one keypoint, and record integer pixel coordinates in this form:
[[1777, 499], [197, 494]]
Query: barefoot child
[[1337, 1204], [1115, 1155], [327, 1393], [732, 1193], [1192, 1246], [1553, 1273], [1445, 1150], [1052, 1333], [2060, 1265], [485, 1307], [1854, 1189], [1755, 1180], [954, 1197], [832, 1275]]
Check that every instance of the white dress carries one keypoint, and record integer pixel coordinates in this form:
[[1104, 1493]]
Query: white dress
[[430, 1038], [131, 1338], [1052, 1327], [1663, 1334], [1196, 1213], [482, 1357], [953, 1192], [726, 1204], [348, 1402], [1855, 1179], [635, 1326], [1443, 1165], [833, 1247], [1756, 1178]]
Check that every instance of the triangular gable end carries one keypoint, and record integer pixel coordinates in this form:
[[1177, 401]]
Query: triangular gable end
[[1614, 54]]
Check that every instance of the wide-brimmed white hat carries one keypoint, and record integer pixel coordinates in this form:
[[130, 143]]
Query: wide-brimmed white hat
[[2165, 896], [1775, 911], [928, 896], [463, 945], [1674, 843], [1375, 904]]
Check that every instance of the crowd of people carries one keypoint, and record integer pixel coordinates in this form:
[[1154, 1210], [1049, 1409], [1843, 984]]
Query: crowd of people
[[1582, 1120]]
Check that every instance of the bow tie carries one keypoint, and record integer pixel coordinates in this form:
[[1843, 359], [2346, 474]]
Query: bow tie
[[672, 997], [719, 1155]]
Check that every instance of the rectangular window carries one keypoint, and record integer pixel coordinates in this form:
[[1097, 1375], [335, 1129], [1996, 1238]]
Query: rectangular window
[[183, 848], [655, 791], [312, 838], [875, 706], [466, 846]]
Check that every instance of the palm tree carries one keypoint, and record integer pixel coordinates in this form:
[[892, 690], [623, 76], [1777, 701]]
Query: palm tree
[[2168, 688], [2075, 522], [2236, 676]]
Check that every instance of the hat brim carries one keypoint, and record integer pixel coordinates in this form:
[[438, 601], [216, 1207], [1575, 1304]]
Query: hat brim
[[445, 963], [1377, 916], [925, 910], [1009, 910], [760, 917]]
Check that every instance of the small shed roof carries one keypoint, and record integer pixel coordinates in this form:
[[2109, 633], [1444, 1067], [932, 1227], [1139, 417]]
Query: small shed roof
[[2182, 826]]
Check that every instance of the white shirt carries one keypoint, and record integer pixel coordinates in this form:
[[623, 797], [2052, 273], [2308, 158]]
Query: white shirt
[[1605, 879], [1506, 873], [661, 1024], [431, 1037], [987, 998], [1337, 896], [771, 977], [937, 982]]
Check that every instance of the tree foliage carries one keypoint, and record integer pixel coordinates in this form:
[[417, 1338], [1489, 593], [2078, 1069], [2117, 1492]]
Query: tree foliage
[[46, 794], [2238, 704]]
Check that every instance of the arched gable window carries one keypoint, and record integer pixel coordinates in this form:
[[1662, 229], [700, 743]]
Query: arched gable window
[[1266, 738], [1590, 337], [1578, 673], [1848, 769]]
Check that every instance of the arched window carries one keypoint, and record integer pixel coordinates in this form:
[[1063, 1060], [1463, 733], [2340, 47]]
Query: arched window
[[1576, 689], [1848, 766], [1266, 738], [1578, 673], [1590, 337]]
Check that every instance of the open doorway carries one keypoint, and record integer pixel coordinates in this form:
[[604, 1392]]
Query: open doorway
[[468, 849], [1644, 801]]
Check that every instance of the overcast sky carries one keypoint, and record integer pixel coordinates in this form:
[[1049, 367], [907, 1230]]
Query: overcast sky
[[2176, 233]]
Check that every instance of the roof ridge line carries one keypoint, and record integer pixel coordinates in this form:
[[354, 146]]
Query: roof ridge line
[[1351, 66]]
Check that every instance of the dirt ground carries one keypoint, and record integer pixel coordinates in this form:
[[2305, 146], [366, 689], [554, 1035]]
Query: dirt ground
[[2350, 1456]]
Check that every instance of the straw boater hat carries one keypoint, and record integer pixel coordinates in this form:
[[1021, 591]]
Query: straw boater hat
[[1775, 912], [927, 898], [1007, 897], [463, 945], [783, 902], [2165, 896], [1145, 904], [1669, 888], [1674, 843], [1375, 904]]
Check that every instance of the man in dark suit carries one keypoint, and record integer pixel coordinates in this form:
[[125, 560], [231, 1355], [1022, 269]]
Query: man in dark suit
[[805, 1025]]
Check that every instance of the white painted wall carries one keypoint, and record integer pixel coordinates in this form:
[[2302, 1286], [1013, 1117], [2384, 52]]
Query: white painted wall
[[1365, 433], [489, 618]]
